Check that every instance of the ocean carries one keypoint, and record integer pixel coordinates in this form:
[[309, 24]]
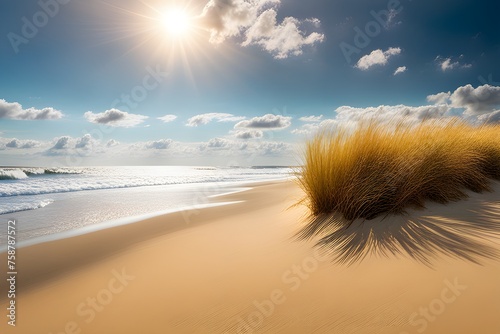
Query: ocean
[[51, 203]]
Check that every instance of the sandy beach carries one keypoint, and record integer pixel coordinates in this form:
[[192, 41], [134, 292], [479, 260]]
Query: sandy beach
[[249, 166], [239, 269]]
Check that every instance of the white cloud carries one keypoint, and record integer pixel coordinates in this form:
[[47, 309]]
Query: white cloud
[[440, 98], [14, 143], [400, 70], [14, 110], [22, 144], [312, 128], [311, 118], [280, 39], [274, 148], [218, 143], [86, 142], [475, 105], [247, 134], [314, 21], [161, 144], [84, 146], [207, 118], [490, 118], [227, 147], [306, 129], [392, 14], [266, 122], [168, 118], [226, 18], [115, 118], [61, 143], [256, 19], [383, 113], [476, 101], [112, 143], [93, 151], [377, 57], [447, 64], [64, 144]]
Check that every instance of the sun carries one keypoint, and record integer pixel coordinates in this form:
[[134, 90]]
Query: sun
[[176, 22]]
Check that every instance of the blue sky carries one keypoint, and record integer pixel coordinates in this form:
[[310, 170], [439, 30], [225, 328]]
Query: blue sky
[[84, 82]]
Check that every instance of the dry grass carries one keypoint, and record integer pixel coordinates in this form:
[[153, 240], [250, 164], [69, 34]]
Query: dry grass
[[384, 169]]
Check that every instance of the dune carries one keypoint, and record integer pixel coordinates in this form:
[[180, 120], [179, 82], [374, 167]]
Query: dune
[[240, 269]]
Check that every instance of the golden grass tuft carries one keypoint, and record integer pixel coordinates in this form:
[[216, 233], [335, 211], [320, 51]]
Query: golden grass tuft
[[381, 169]]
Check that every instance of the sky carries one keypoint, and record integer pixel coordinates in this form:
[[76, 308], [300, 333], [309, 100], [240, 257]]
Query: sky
[[231, 82]]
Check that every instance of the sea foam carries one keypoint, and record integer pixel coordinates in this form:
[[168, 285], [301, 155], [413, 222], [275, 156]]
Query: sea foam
[[23, 206], [12, 174]]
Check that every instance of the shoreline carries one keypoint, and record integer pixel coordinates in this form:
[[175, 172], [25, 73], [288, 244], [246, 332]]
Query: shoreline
[[205, 194], [111, 224], [102, 232], [238, 269]]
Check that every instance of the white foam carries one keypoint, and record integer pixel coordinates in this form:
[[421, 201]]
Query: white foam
[[23, 206], [12, 174], [34, 171], [112, 178]]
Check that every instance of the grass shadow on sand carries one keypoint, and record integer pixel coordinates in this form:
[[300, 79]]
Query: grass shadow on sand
[[364, 185], [460, 230]]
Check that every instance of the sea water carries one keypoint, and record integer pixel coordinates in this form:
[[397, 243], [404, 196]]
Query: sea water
[[49, 201]]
